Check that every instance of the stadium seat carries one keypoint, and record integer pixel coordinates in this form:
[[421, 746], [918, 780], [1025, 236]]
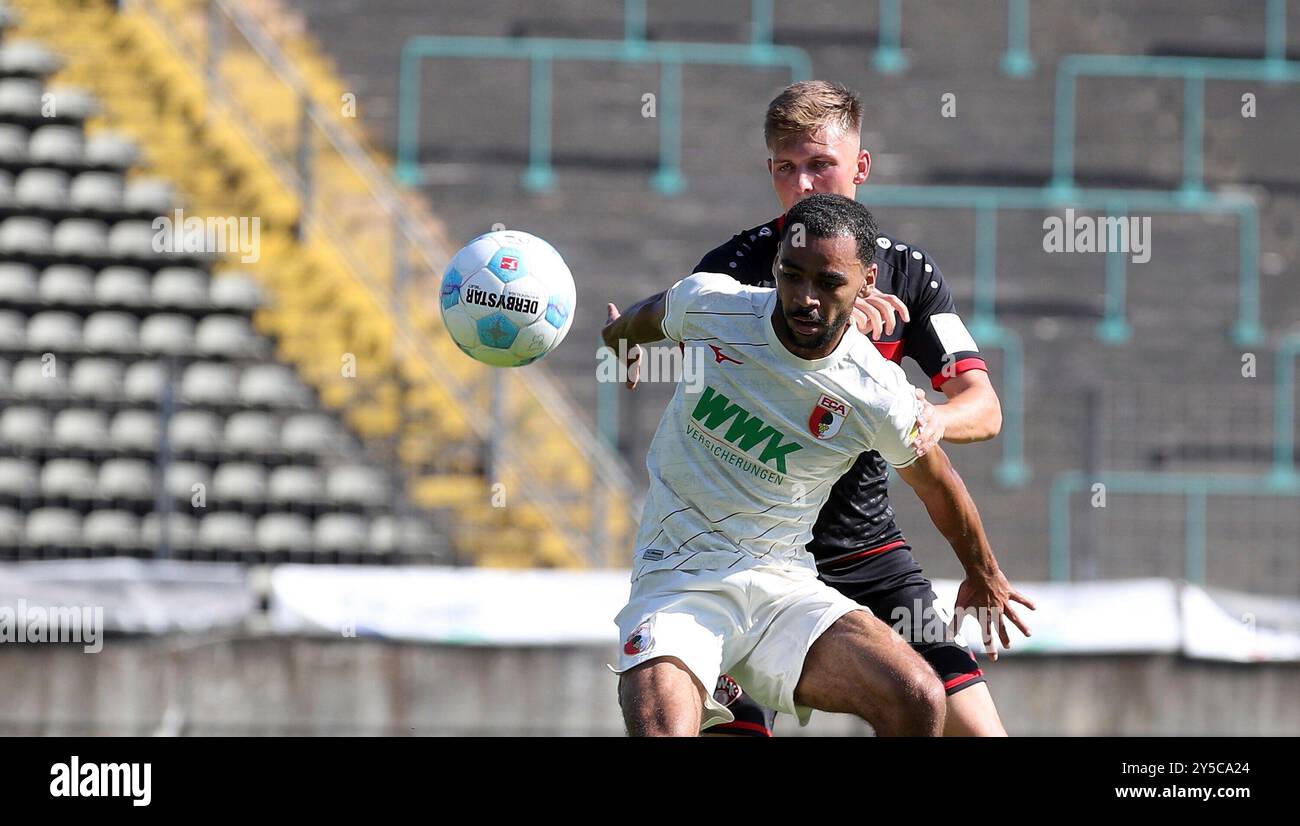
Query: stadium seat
[[207, 382], [43, 188], [226, 531], [167, 334], [152, 195], [95, 378], [96, 190], [252, 432], [80, 236], [309, 433], [230, 336], [68, 478], [24, 427], [144, 381], [113, 529], [126, 479], [271, 384], [235, 291], [19, 478], [357, 485], [284, 532], [132, 239], [20, 96], [56, 144], [181, 531], [53, 528], [110, 331], [54, 330], [134, 430], [72, 102], [6, 188], [24, 234], [28, 57], [238, 482], [32, 380], [13, 329], [11, 528], [390, 534], [67, 284], [127, 286], [195, 431], [183, 287], [341, 533], [111, 149], [80, 429], [18, 283], [13, 138], [294, 485], [183, 476]]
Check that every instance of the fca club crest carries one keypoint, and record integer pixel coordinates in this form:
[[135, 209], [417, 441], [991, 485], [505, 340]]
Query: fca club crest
[[639, 641], [827, 417]]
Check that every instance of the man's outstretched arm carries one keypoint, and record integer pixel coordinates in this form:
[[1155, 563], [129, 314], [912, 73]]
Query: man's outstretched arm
[[642, 323], [953, 512]]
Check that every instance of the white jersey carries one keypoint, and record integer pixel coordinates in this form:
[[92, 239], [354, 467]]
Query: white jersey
[[746, 454]]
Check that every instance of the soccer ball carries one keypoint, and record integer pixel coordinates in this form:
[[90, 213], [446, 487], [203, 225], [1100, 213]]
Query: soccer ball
[[507, 298]]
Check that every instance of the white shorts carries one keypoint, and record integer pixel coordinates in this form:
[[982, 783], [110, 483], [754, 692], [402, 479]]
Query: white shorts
[[755, 623]]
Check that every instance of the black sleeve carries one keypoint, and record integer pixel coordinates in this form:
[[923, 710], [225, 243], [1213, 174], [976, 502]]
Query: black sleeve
[[716, 259], [937, 338]]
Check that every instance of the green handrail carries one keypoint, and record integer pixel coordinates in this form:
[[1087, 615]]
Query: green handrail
[[1016, 61], [542, 53], [1195, 488], [1284, 469]]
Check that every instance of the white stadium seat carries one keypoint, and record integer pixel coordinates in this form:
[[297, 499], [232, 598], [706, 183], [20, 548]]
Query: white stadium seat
[[357, 485], [207, 382], [284, 532], [71, 478], [309, 433], [342, 532], [110, 529], [80, 429], [13, 330], [11, 528], [125, 479], [28, 57], [234, 290], [226, 530], [96, 190], [110, 331], [80, 236], [34, 378], [133, 239], [181, 531], [54, 330], [230, 336], [144, 381], [18, 477], [180, 287], [13, 138], [134, 430], [183, 476], [167, 334], [56, 143], [389, 534], [148, 194], [252, 432], [20, 95], [24, 234], [128, 286], [111, 149], [53, 528], [238, 482], [271, 384], [72, 102], [6, 185], [294, 485], [44, 188], [27, 427], [17, 282], [95, 378], [194, 430], [67, 284]]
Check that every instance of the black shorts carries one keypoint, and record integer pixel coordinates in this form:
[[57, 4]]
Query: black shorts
[[895, 589]]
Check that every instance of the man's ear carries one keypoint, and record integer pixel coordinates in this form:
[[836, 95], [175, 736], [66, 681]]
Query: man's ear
[[864, 167]]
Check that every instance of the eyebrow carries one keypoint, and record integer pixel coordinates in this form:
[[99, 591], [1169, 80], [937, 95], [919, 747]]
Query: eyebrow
[[832, 274]]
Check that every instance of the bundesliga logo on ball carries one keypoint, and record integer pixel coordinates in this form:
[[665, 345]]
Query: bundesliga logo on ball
[[507, 298]]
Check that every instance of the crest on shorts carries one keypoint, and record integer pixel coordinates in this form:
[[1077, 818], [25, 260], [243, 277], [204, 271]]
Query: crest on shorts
[[639, 641], [727, 691], [828, 416]]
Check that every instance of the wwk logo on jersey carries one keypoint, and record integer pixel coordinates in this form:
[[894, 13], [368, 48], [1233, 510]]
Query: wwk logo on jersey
[[827, 417]]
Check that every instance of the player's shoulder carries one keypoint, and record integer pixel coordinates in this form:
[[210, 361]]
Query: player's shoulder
[[903, 265], [871, 378], [715, 292], [747, 255]]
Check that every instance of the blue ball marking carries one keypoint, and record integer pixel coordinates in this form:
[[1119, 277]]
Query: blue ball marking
[[451, 288], [508, 264], [497, 331]]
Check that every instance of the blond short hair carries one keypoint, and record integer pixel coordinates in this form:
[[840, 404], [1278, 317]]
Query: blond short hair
[[808, 106]]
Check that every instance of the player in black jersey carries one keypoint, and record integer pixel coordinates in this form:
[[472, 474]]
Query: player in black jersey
[[812, 131]]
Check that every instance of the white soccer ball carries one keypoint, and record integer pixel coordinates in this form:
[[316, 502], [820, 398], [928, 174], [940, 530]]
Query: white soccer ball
[[507, 298]]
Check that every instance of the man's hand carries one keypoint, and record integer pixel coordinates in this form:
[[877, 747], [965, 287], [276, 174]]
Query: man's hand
[[611, 341], [933, 421], [874, 311], [989, 596]]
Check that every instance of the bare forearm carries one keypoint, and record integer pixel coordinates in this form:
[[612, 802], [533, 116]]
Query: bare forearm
[[639, 324], [952, 511]]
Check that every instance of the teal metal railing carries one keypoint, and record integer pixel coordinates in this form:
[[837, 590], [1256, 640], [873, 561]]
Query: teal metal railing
[[987, 201], [542, 53], [1194, 488], [1284, 469]]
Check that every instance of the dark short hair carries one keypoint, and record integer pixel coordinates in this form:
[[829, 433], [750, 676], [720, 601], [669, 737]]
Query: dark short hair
[[831, 216]]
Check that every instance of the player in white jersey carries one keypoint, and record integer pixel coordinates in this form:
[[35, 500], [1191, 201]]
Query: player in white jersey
[[740, 465]]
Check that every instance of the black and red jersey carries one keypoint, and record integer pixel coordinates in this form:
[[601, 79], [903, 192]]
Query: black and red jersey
[[857, 521]]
